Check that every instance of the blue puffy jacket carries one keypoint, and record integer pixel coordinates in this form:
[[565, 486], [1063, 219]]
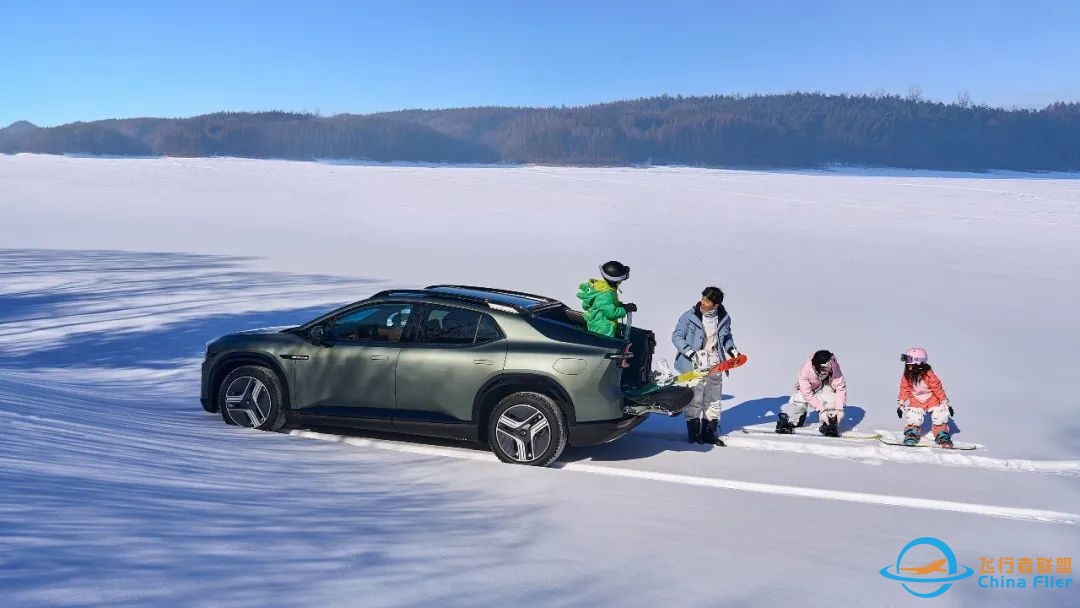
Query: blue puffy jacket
[[689, 337]]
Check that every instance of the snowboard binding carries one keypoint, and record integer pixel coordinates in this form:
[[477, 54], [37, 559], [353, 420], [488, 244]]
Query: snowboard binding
[[783, 425], [830, 427], [911, 436], [944, 439]]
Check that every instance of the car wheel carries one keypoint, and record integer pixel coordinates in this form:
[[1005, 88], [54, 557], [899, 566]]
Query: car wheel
[[527, 428], [252, 396]]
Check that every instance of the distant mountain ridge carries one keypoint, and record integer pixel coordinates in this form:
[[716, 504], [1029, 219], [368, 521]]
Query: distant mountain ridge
[[790, 130]]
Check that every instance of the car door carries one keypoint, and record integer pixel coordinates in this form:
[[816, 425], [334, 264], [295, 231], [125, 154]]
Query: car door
[[450, 354], [353, 372]]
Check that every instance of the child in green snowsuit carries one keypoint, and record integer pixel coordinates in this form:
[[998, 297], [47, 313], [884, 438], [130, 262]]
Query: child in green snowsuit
[[600, 299]]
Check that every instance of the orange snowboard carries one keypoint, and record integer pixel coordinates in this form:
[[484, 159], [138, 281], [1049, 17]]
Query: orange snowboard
[[728, 364]]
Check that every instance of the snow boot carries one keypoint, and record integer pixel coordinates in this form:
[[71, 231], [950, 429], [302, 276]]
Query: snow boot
[[709, 433], [693, 430], [783, 425], [802, 420], [911, 436], [944, 439], [830, 427]]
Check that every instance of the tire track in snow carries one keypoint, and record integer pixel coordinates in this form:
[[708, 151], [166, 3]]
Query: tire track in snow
[[1018, 513]]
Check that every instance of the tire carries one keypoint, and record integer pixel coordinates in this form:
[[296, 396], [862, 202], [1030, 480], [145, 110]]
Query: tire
[[252, 396], [512, 435]]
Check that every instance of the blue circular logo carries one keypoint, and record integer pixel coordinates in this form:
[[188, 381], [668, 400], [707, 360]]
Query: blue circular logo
[[944, 571]]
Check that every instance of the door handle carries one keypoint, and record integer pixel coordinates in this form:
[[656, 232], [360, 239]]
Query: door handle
[[483, 362], [380, 357]]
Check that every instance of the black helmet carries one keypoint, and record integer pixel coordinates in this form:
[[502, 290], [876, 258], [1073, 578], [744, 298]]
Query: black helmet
[[614, 271]]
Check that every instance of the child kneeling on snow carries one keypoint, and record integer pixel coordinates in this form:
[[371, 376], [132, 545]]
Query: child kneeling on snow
[[921, 392], [820, 384]]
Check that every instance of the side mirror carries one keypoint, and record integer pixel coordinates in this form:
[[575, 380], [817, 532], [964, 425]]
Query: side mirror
[[317, 335]]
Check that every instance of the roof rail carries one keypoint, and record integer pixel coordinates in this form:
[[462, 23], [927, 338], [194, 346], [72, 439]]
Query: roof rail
[[448, 296], [506, 292]]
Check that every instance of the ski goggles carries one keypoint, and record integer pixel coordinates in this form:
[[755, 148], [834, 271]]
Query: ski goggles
[[615, 279], [906, 358]]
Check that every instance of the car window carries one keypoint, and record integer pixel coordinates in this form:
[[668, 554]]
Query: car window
[[488, 331], [444, 325], [376, 323]]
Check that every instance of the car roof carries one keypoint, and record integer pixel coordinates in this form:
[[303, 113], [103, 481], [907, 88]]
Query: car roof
[[514, 300]]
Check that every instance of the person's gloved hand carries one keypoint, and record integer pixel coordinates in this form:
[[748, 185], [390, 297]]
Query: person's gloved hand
[[900, 411], [733, 353], [949, 405], [630, 307]]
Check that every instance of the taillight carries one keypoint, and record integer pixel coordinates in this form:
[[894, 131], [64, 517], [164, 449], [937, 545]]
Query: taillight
[[623, 357]]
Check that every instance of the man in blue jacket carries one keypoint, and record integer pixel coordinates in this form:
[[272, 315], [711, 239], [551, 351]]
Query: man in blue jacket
[[703, 339]]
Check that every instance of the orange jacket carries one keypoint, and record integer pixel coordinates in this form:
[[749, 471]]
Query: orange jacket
[[925, 394]]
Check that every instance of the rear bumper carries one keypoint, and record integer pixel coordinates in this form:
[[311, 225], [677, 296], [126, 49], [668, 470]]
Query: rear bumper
[[603, 431]]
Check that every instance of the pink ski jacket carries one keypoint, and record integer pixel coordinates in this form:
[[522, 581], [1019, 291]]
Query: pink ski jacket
[[808, 384], [925, 394]]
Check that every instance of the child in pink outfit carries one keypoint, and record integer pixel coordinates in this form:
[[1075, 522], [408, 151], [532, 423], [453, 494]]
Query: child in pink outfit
[[820, 385], [921, 392]]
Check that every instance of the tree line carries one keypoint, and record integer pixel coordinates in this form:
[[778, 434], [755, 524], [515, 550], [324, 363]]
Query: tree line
[[796, 130]]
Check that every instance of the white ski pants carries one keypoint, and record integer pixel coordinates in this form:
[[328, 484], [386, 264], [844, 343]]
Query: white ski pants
[[707, 397], [797, 406]]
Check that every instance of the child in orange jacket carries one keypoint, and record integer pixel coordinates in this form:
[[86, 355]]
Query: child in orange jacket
[[921, 392]]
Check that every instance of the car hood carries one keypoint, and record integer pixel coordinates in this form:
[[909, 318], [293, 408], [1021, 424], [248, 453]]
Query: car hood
[[248, 334], [262, 330]]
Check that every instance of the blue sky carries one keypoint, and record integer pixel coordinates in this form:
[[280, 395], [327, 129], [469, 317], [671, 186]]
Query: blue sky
[[62, 61]]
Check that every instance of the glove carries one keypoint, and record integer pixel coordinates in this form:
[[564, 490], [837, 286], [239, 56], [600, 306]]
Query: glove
[[733, 352], [949, 405], [630, 307], [899, 412]]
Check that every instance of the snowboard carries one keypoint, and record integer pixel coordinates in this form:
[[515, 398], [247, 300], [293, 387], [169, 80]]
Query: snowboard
[[927, 441], [719, 368], [810, 431]]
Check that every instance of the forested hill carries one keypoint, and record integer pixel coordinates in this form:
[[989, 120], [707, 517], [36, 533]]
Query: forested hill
[[790, 130]]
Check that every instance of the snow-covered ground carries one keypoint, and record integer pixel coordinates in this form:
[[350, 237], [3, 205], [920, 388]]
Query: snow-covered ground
[[116, 488]]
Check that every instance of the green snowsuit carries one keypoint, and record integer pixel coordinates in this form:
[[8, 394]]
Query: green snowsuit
[[600, 301]]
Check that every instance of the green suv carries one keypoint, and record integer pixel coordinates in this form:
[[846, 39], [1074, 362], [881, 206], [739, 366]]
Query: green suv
[[515, 370]]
